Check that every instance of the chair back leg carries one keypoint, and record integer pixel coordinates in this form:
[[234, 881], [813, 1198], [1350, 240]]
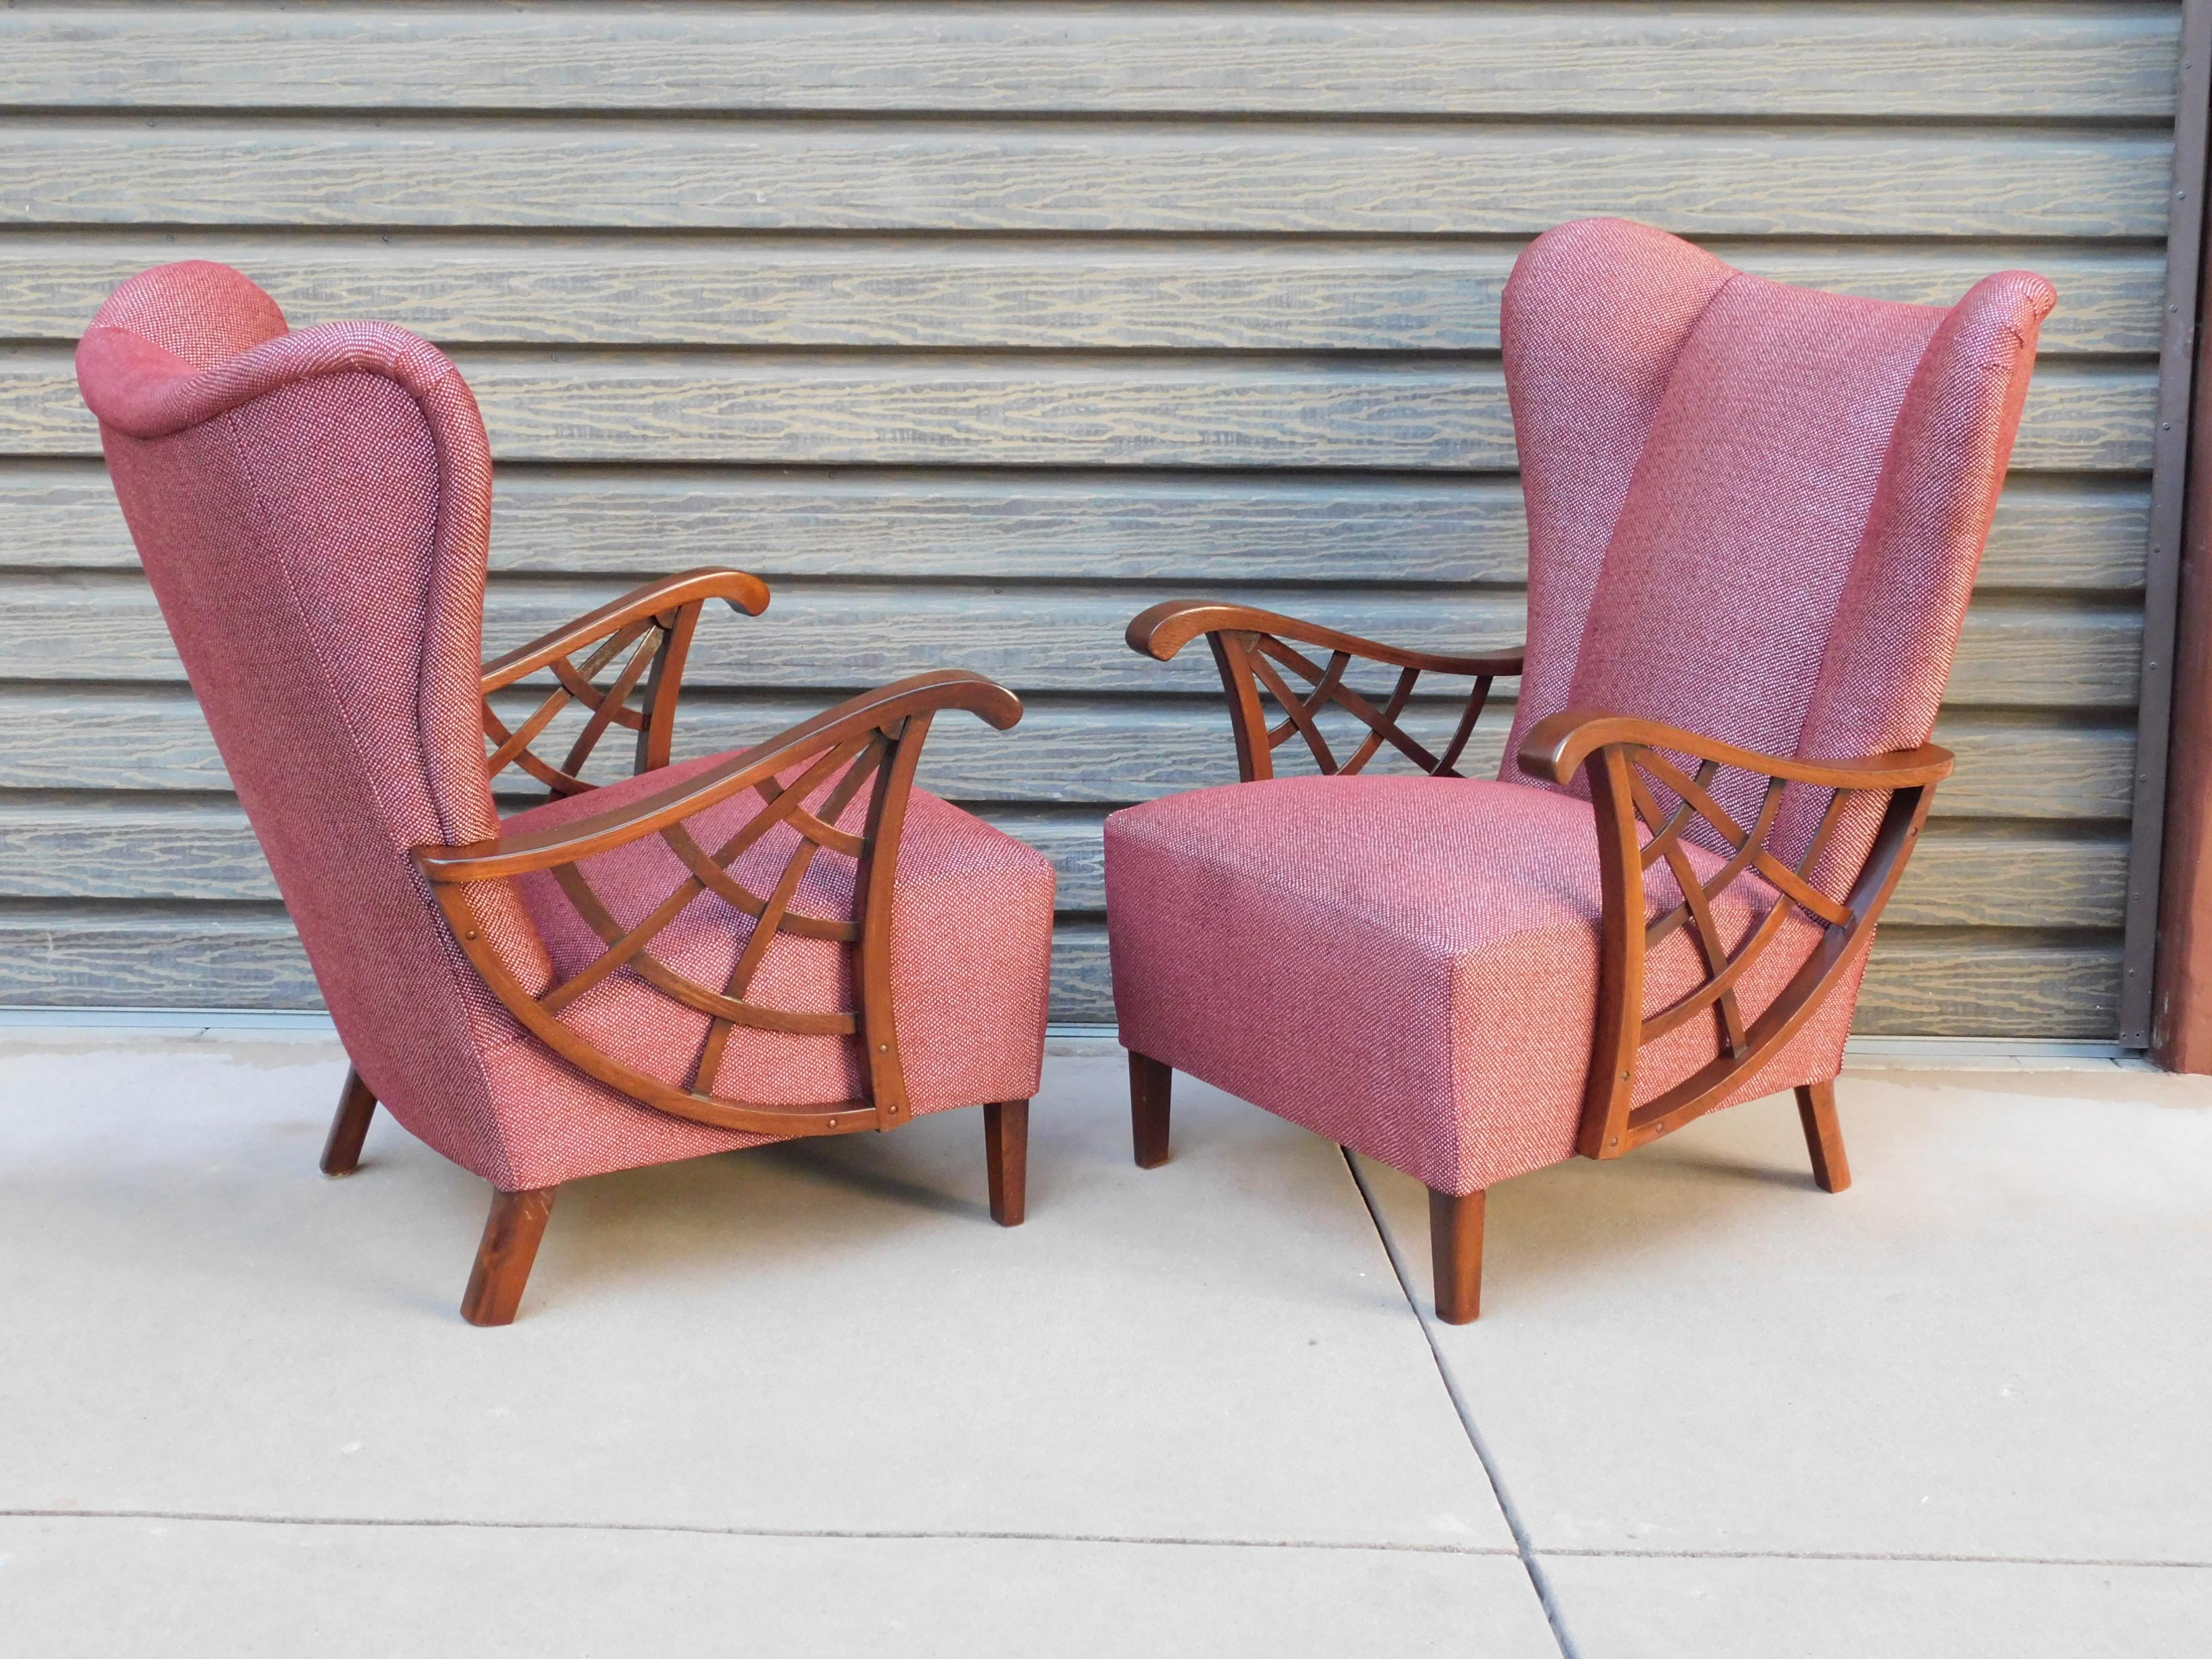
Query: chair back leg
[[1455, 1254], [511, 1234], [1006, 1157], [356, 1105], [1824, 1136], [1150, 1084]]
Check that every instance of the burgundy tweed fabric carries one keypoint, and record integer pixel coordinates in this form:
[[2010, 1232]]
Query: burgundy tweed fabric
[[313, 512], [1406, 965], [1754, 511]]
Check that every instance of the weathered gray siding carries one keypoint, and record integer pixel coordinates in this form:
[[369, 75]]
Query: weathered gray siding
[[976, 329]]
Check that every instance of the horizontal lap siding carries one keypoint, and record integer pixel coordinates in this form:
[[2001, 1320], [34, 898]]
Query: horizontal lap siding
[[976, 329]]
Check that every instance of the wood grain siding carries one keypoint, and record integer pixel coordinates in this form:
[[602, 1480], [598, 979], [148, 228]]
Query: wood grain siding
[[1540, 60], [977, 328]]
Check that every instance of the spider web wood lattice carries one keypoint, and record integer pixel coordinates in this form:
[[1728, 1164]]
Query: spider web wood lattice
[[1253, 666], [643, 675], [1725, 961]]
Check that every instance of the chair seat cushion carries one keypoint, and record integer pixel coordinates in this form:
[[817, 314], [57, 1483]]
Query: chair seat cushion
[[971, 953], [1408, 966]]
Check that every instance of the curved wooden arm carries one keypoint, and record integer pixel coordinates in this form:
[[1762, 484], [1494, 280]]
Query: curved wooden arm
[[1635, 784], [1171, 625], [1557, 746], [874, 738], [580, 838], [1252, 647], [658, 621], [744, 592]]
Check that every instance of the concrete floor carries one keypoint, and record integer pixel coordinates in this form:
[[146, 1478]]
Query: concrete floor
[[809, 1401]]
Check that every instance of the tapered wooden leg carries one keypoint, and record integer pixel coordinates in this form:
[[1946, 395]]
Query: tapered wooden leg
[[511, 1233], [1151, 1085], [1006, 1155], [1824, 1136], [356, 1105], [1455, 1254]]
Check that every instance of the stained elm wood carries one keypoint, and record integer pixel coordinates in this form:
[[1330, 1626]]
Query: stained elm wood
[[1256, 653], [1556, 747], [349, 1127], [656, 623], [1455, 1254], [2061, 532], [1824, 1136], [2047, 651], [1151, 1096], [925, 409], [509, 1247], [1099, 293], [1919, 60], [1006, 1160], [1647, 801], [1107, 751], [1166, 628], [746, 593], [874, 738], [1390, 177]]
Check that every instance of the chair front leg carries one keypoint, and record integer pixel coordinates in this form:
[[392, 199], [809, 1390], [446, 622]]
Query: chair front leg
[[356, 1105], [1824, 1136], [1006, 1157], [511, 1236], [1455, 1254], [1151, 1083]]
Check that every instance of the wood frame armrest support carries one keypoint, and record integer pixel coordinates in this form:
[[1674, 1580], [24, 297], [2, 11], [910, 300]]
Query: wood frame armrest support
[[875, 738], [655, 625], [1253, 648], [1632, 770]]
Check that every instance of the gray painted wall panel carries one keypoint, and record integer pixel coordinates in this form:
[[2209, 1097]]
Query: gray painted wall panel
[[977, 328]]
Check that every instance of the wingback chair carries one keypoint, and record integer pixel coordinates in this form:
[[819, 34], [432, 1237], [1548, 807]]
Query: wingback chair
[[747, 947], [1755, 516]]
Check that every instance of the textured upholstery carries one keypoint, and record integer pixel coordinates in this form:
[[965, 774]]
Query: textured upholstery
[[1407, 965], [313, 512], [1754, 511]]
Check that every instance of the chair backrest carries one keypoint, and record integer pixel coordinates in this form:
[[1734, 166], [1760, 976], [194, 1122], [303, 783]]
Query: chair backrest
[[1754, 510], [313, 512]]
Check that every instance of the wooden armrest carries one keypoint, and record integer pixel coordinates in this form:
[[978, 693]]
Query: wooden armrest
[[655, 623], [1637, 784], [1255, 649], [872, 741], [743, 592], [856, 717], [1558, 745], [1168, 626]]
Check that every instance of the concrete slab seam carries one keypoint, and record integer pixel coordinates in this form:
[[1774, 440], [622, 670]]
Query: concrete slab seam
[[858, 1534], [1930, 1558], [1530, 1563]]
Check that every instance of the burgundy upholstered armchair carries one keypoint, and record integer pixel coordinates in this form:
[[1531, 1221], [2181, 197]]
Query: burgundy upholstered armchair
[[1754, 517], [788, 940]]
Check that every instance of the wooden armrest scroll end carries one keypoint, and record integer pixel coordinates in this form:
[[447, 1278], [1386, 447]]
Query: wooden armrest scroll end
[[1166, 628], [1558, 745], [743, 591]]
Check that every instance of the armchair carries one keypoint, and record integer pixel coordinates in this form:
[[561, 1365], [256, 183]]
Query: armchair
[[1755, 512], [786, 941]]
